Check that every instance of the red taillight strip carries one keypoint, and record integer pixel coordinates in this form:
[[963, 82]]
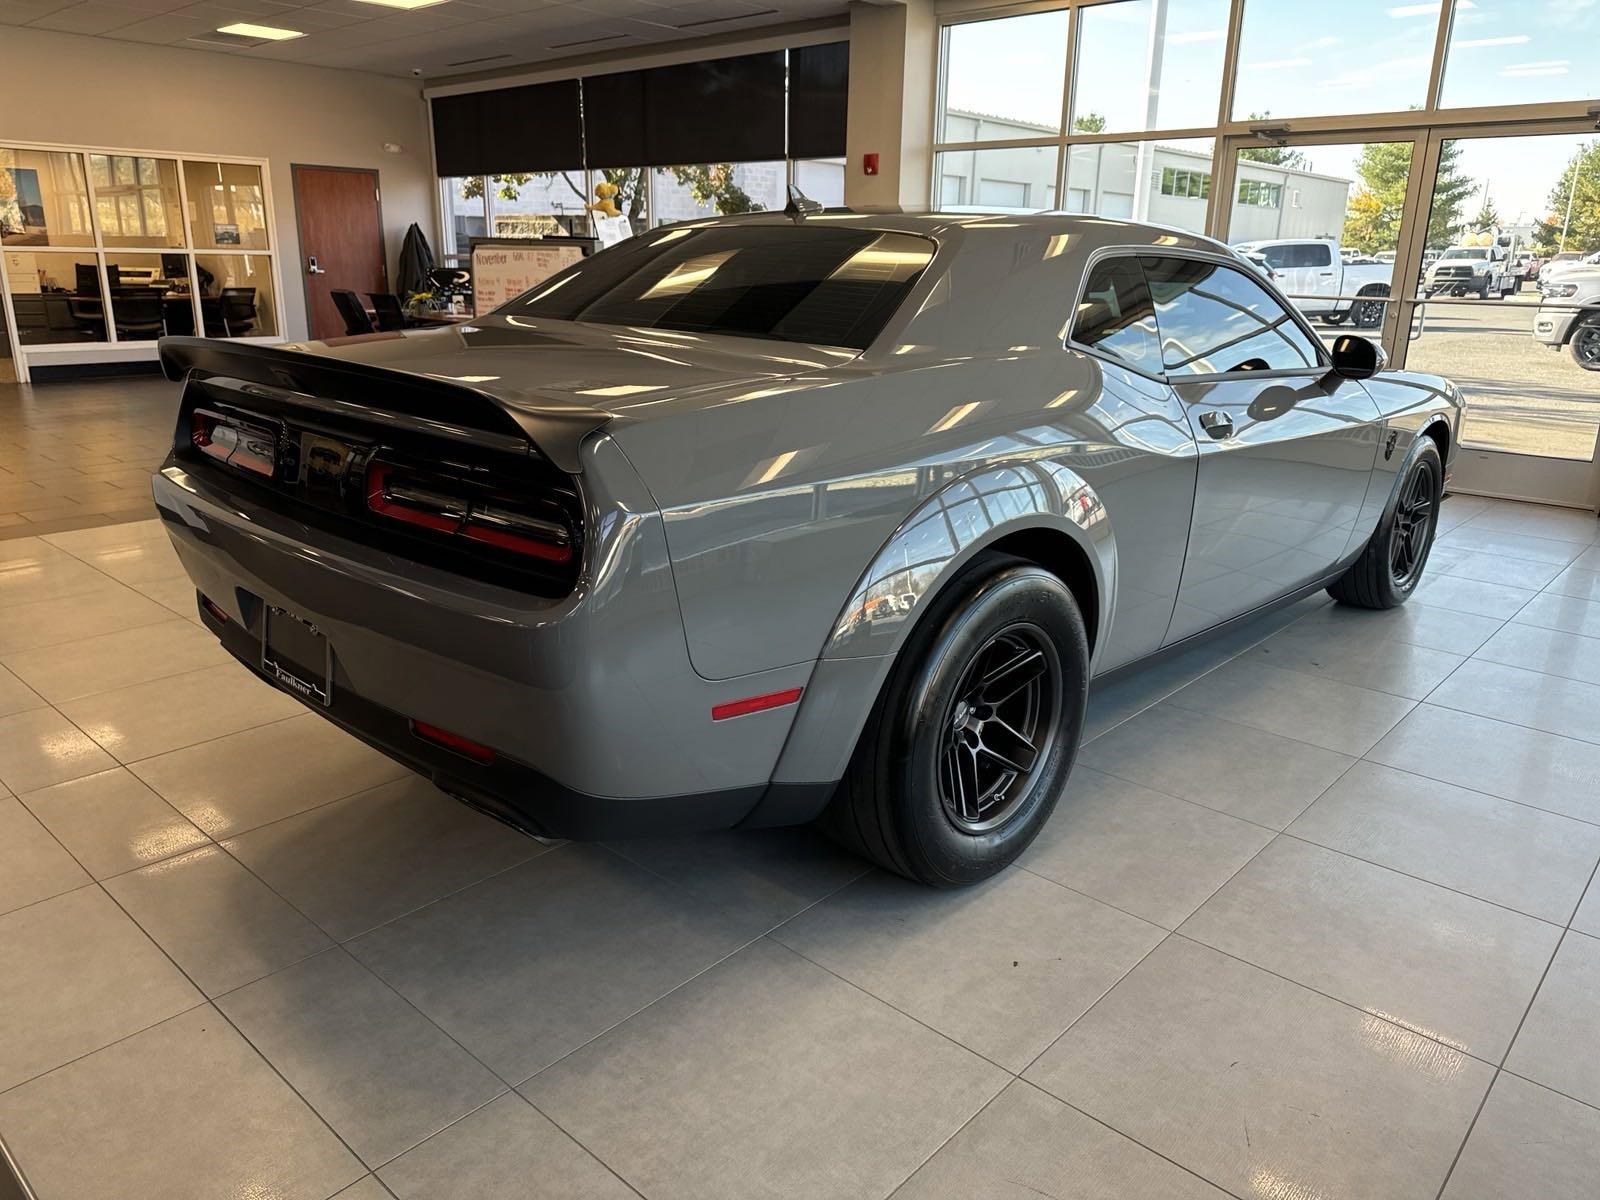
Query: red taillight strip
[[491, 535], [754, 704], [476, 751], [386, 503], [419, 504]]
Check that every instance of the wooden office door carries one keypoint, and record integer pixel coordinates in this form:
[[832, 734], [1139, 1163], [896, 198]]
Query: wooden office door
[[341, 240]]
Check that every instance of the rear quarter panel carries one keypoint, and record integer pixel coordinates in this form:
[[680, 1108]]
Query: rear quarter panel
[[782, 502]]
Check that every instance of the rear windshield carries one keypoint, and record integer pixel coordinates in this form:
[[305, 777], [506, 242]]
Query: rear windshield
[[795, 283]]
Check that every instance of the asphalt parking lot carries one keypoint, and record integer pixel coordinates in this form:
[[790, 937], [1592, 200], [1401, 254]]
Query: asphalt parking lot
[[1521, 395]]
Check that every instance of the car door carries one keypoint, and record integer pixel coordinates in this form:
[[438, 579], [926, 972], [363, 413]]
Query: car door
[[1286, 449], [1147, 464]]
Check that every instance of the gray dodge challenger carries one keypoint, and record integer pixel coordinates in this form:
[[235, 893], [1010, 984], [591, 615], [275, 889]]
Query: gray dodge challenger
[[758, 520]]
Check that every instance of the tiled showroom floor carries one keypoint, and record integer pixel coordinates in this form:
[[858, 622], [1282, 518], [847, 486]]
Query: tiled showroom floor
[[1309, 923], [79, 454]]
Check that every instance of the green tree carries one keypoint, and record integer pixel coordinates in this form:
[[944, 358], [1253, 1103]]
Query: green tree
[[1089, 122], [1372, 219], [714, 185], [507, 187], [1451, 189], [1580, 184], [1368, 224], [1488, 218]]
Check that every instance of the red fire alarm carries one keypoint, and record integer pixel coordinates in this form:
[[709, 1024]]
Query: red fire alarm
[[869, 164]]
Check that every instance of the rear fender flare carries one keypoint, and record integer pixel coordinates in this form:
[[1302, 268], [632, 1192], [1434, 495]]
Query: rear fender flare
[[948, 529], [969, 515]]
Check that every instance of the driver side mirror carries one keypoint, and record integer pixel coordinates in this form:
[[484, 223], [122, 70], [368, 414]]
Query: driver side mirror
[[1357, 357]]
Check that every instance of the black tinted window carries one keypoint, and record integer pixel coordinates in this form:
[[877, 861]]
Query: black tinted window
[[1116, 316], [1214, 319], [1302, 254], [797, 283]]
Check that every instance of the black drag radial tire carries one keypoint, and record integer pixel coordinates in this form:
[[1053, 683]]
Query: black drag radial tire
[[1373, 580], [889, 807]]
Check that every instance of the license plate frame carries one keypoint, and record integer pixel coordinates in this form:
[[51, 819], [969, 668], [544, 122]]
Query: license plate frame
[[297, 639]]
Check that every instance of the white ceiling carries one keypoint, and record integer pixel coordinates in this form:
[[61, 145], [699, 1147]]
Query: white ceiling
[[453, 38]]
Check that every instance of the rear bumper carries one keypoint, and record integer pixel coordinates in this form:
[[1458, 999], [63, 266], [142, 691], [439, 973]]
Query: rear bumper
[[600, 726], [508, 790]]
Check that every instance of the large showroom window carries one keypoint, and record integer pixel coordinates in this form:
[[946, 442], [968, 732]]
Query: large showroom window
[[1004, 78], [1371, 56], [135, 222], [1420, 171], [1002, 144], [1521, 52]]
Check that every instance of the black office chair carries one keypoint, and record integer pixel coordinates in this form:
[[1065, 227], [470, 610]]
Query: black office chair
[[136, 312], [178, 314], [238, 310], [387, 307], [356, 321]]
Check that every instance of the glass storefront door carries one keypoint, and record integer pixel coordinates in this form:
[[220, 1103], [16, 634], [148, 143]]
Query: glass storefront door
[[1507, 304], [1326, 217]]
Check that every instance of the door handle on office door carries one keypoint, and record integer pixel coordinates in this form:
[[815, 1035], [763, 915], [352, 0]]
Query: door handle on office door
[[311, 266], [1219, 425]]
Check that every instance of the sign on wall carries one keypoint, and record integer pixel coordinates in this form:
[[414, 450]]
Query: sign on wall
[[502, 271]]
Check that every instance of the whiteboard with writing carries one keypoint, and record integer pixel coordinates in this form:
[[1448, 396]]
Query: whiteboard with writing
[[501, 273]]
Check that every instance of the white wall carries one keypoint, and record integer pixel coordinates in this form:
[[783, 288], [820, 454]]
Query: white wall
[[60, 87]]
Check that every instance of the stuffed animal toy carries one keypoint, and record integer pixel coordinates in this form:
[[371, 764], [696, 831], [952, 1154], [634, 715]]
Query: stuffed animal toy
[[605, 204]]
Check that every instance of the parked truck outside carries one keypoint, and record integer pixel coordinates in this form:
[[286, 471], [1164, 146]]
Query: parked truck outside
[[1314, 273]]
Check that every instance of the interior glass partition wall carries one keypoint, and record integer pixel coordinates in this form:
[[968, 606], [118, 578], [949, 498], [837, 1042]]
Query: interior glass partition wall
[[104, 248], [1349, 151]]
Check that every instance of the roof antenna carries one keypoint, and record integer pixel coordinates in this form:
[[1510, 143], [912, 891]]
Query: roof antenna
[[800, 205]]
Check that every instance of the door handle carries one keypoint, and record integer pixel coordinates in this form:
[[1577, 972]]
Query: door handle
[[1218, 424], [311, 266]]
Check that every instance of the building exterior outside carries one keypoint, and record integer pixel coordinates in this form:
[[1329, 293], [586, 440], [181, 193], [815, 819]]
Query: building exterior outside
[[1104, 178]]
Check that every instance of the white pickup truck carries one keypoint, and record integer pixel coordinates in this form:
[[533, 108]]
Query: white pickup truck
[[1313, 273], [1479, 271]]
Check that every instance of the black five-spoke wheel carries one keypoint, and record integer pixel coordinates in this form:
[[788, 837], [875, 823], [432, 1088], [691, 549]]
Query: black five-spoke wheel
[[1001, 722], [971, 742], [1391, 564], [1412, 532]]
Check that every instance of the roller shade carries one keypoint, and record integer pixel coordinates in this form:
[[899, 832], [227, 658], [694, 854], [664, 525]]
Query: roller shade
[[819, 86], [523, 129], [724, 110], [613, 119]]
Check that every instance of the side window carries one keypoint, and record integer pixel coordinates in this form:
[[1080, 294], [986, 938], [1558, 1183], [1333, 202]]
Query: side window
[[1214, 319], [1317, 254], [1279, 258], [1116, 316]]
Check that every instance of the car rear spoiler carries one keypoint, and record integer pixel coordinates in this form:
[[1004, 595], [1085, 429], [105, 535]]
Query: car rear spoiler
[[555, 429]]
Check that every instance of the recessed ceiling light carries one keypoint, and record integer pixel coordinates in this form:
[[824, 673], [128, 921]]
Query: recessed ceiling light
[[265, 32], [404, 3]]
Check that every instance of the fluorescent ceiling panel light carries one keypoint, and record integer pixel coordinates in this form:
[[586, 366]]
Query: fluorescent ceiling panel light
[[267, 33], [403, 3]]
